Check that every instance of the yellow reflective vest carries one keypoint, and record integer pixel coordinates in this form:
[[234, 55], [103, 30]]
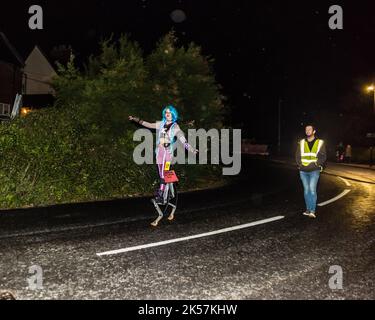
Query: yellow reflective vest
[[310, 156]]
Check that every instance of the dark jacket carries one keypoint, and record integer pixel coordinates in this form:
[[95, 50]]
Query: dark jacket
[[322, 158]]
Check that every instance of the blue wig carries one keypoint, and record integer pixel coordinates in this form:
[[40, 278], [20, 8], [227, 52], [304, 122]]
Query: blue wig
[[174, 112]]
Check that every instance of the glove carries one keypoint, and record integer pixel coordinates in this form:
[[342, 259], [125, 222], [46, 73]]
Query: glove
[[135, 119]]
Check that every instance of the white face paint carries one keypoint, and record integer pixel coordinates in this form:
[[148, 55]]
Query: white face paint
[[168, 115]]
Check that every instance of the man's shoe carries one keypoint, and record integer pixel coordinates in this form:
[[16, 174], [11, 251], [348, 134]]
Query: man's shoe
[[312, 215], [306, 213]]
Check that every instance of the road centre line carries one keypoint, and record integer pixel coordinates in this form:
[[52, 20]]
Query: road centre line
[[202, 235]]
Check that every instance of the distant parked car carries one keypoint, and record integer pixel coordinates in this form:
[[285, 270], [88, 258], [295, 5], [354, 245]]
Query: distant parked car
[[254, 149]]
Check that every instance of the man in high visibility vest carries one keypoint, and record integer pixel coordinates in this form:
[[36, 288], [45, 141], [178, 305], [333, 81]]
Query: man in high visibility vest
[[310, 157]]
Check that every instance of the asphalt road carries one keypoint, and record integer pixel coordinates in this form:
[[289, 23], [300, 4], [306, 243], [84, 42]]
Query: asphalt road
[[289, 258]]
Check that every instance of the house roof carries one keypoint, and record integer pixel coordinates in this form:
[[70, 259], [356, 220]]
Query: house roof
[[37, 63], [38, 51], [10, 54]]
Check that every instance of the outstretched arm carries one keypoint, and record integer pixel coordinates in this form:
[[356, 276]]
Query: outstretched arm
[[180, 136], [143, 123]]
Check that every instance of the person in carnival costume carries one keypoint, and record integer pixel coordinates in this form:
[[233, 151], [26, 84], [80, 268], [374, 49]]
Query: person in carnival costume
[[168, 132]]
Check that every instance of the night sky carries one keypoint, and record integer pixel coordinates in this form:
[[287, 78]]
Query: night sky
[[263, 51]]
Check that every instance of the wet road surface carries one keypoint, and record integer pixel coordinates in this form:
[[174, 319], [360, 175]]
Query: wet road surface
[[288, 258]]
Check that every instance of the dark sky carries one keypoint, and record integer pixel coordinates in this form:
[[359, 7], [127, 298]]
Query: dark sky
[[263, 49]]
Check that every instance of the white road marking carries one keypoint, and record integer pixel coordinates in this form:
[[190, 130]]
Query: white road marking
[[343, 194], [162, 243], [346, 181]]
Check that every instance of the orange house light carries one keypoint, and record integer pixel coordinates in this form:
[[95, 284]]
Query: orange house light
[[25, 111]]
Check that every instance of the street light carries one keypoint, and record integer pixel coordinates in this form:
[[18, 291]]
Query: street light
[[369, 89]]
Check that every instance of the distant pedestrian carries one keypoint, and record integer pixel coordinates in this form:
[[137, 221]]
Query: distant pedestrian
[[310, 157], [348, 154], [340, 152]]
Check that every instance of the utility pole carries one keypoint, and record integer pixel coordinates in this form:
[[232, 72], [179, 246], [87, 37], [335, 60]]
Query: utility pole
[[369, 89]]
